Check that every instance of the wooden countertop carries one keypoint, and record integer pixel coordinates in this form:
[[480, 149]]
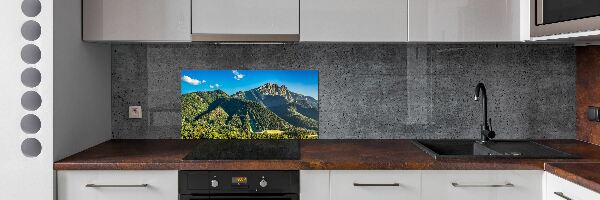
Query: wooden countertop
[[315, 154], [331, 155]]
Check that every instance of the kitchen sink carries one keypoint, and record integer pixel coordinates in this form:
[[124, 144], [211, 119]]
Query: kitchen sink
[[471, 149]]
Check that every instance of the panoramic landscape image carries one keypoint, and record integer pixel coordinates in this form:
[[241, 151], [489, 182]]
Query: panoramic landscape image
[[249, 104]]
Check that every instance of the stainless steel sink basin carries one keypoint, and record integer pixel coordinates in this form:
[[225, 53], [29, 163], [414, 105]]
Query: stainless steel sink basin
[[471, 149]]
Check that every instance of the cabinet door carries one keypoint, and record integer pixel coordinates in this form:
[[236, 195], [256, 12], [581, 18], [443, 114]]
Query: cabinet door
[[314, 185], [482, 185], [136, 20], [375, 184], [353, 21], [245, 16], [560, 189], [117, 185], [468, 20]]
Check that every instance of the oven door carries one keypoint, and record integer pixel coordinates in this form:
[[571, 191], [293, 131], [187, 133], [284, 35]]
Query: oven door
[[552, 17], [241, 197]]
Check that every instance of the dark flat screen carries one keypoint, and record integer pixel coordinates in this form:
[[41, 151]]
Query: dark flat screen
[[564, 10]]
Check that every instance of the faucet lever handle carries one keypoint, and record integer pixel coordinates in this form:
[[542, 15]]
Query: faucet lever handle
[[491, 129]]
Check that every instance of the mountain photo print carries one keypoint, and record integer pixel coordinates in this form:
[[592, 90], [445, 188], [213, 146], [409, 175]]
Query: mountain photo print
[[249, 104]]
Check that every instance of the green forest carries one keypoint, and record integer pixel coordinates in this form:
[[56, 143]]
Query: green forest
[[253, 114]]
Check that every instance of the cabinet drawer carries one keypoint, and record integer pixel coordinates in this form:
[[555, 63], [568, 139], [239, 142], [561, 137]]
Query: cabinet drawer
[[560, 189], [117, 185], [376, 185], [314, 184], [482, 185]]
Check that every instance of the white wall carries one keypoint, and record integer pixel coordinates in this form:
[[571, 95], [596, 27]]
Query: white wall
[[82, 89], [24, 177]]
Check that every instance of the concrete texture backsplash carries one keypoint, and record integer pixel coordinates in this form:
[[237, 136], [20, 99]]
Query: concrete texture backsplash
[[369, 91]]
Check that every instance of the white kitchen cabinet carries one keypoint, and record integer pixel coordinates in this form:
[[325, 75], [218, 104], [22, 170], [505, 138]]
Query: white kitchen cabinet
[[468, 20], [375, 185], [245, 20], [482, 185], [117, 185], [560, 189], [136, 20], [354, 21], [314, 185]]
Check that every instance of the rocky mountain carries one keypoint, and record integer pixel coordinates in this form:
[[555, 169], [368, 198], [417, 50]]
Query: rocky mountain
[[271, 95], [297, 109]]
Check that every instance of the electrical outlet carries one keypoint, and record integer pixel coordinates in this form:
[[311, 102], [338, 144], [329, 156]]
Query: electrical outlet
[[135, 112]]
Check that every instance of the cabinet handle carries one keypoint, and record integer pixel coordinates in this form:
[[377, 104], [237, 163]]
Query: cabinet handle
[[561, 195], [491, 185], [376, 184], [114, 186]]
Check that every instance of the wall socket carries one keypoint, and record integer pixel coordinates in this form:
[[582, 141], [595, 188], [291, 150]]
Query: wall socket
[[135, 112]]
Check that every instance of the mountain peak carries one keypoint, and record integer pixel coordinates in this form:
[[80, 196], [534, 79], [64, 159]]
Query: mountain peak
[[273, 89]]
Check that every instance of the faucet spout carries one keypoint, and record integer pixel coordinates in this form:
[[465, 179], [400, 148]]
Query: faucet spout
[[486, 132]]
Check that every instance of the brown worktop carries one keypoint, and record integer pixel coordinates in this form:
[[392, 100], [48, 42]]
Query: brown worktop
[[584, 174], [315, 154]]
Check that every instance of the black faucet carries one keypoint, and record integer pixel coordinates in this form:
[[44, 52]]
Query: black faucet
[[486, 129]]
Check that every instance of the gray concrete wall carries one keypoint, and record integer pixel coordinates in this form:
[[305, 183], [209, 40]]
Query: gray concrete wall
[[369, 90]]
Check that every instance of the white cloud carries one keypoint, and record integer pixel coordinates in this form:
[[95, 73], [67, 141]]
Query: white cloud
[[238, 76], [211, 86], [217, 85], [192, 81]]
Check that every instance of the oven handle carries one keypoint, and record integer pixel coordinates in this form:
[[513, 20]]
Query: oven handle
[[249, 197]]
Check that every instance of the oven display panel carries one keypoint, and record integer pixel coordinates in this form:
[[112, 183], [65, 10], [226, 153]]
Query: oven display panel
[[239, 180]]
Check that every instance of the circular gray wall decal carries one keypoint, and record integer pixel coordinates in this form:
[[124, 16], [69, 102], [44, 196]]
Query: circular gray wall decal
[[31, 54], [31, 147], [31, 124], [31, 30], [31, 8], [31, 77], [31, 100]]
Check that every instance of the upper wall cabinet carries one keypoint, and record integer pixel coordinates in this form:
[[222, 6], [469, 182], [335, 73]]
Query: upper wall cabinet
[[245, 20], [354, 21], [468, 20], [136, 20]]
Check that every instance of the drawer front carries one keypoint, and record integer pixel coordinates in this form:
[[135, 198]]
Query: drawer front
[[482, 185], [560, 189], [117, 185], [314, 184], [375, 185]]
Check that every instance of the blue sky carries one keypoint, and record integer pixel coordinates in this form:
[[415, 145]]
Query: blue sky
[[305, 82]]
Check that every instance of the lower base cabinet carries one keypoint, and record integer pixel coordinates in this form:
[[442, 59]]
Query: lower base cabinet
[[560, 189], [314, 184], [116, 185], [341, 185], [376, 185], [482, 185], [421, 185]]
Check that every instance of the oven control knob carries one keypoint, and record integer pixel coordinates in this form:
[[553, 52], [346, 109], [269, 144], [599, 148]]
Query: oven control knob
[[214, 183], [263, 183]]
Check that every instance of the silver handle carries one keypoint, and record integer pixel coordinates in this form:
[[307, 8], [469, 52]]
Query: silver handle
[[376, 184], [560, 194], [491, 185], [115, 186]]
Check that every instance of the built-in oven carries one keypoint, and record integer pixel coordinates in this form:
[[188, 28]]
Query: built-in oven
[[552, 17], [238, 185]]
